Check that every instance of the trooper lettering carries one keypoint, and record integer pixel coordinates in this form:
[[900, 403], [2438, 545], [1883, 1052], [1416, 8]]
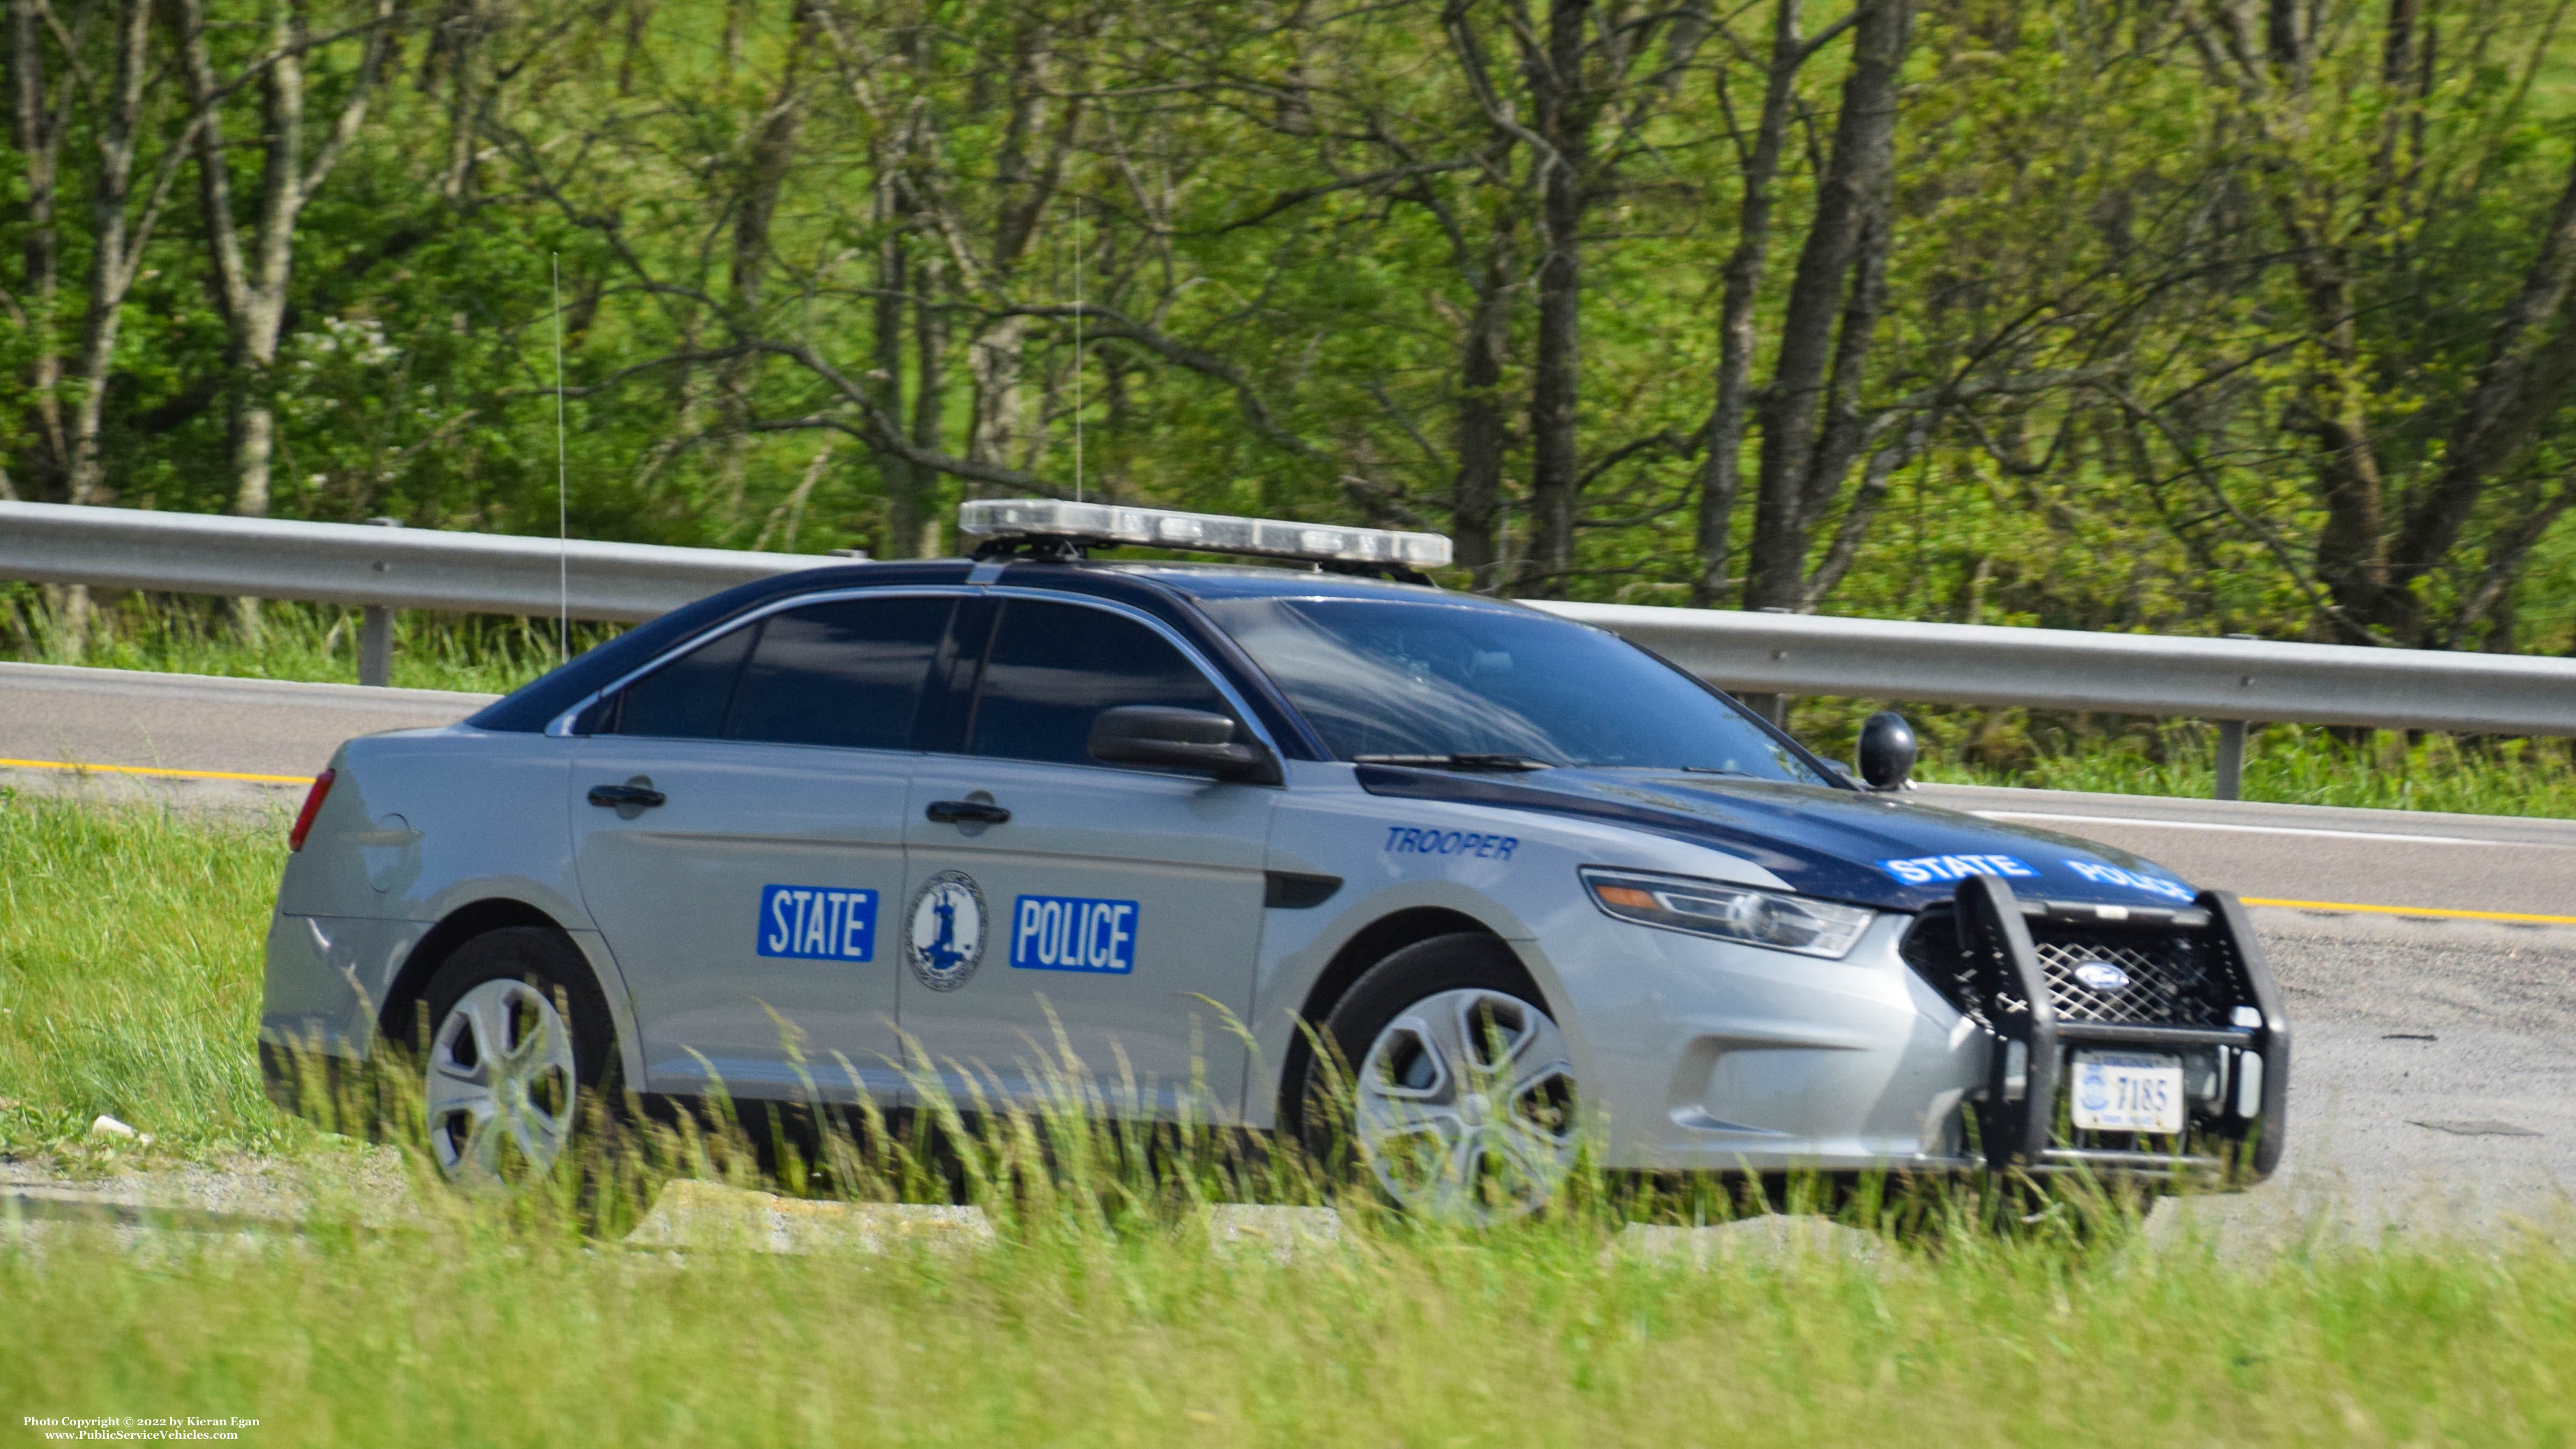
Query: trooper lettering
[[1410, 840]]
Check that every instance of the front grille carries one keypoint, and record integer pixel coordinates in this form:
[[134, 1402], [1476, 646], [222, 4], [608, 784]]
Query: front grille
[[2177, 977]]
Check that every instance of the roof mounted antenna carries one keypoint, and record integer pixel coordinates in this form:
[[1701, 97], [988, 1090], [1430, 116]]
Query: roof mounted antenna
[[1055, 530], [563, 472]]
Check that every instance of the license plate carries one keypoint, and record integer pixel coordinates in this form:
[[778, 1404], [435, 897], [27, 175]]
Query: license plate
[[2127, 1092]]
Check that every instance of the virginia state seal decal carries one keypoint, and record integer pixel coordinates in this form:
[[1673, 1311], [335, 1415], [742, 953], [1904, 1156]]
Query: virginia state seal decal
[[944, 930]]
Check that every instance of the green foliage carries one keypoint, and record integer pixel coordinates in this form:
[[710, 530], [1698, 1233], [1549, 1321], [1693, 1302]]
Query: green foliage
[[2100, 306], [472, 1331], [130, 974], [477, 654]]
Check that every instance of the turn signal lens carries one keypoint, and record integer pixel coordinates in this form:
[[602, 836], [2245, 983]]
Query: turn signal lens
[[1730, 913], [313, 799]]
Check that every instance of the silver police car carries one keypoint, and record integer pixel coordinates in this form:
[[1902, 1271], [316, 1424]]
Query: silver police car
[[1502, 881]]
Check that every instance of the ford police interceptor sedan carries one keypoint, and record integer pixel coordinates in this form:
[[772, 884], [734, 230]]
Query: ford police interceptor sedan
[[858, 828]]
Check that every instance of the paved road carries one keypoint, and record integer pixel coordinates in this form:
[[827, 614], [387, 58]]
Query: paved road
[[2413, 1003], [2311, 852], [194, 740]]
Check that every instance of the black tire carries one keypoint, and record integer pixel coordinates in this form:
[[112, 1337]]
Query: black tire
[[1322, 1099], [555, 970]]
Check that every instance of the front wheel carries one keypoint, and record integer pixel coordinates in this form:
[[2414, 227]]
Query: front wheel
[[1452, 1082], [519, 1045]]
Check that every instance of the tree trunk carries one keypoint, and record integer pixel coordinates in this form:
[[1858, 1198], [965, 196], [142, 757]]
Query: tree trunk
[[37, 134], [1476, 495], [1721, 472], [929, 341], [117, 242], [1564, 119], [1820, 328], [252, 282], [895, 473]]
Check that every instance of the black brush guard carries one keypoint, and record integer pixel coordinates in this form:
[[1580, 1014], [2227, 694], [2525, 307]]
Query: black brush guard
[[2022, 1136]]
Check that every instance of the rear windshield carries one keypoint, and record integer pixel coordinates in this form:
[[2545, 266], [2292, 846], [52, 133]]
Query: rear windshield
[[1402, 677]]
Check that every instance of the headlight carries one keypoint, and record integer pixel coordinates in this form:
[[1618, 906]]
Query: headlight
[[1730, 913]]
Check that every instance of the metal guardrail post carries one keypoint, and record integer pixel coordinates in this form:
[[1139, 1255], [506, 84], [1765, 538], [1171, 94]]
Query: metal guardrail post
[[2231, 760], [376, 634]]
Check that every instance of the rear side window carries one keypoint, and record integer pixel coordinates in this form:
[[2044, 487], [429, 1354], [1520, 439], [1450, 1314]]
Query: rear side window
[[848, 673], [1053, 668], [686, 698]]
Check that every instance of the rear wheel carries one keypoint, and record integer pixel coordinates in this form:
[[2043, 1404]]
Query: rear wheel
[[1450, 1081], [519, 1048]]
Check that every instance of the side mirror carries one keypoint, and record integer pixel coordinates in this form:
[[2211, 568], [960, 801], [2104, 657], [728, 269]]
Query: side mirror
[[1887, 750], [1179, 739]]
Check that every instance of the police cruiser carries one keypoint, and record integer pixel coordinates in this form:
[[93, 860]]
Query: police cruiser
[[851, 830]]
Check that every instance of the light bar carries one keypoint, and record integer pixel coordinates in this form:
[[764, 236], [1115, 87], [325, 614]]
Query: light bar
[[1200, 532]]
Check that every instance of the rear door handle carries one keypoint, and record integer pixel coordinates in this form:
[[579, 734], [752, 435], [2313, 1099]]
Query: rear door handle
[[953, 812], [615, 795]]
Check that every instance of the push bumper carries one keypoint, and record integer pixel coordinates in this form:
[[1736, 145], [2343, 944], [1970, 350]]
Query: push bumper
[[2024, 1117]]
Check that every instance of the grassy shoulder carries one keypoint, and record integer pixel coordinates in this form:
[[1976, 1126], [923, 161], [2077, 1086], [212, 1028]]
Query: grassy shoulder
[[475, 1329], [2306, 765], [182, 634], [130, 975], [129, 980]]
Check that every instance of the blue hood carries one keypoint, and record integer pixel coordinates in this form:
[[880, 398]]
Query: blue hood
[[1845, 845]]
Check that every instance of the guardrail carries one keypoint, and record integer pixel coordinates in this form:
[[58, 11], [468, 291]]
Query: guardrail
[[2229, 681]]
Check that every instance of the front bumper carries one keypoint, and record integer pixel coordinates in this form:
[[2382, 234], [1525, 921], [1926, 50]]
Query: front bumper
[[1697, 1055], [2023, 1116], [1701, 1056]]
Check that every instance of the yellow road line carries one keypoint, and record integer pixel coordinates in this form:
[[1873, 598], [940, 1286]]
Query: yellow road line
[[147, 770], [2414, 911]]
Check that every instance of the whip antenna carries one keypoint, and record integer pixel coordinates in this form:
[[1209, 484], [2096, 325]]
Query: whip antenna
[[1077, 345], [563, 549]]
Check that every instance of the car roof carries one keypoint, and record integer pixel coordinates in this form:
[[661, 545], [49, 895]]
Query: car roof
[[533, 705]]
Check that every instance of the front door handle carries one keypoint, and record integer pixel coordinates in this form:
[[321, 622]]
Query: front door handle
[[615, 795], [956, 812]]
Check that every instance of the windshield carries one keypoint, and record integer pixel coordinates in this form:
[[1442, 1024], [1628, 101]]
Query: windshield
[[1390, 677]]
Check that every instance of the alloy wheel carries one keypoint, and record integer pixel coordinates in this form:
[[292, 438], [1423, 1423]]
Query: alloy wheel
[[500, 1095], [1464, 1107]]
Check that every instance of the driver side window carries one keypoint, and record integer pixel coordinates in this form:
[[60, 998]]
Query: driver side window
[[1052, 668]]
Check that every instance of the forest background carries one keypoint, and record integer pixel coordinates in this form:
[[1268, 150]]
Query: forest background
[[2183, 316]]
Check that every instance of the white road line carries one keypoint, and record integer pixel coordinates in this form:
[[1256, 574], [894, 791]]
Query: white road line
[[2259, 829]]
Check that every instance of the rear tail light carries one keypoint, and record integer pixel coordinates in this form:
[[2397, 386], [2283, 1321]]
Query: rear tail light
[[313, 799]]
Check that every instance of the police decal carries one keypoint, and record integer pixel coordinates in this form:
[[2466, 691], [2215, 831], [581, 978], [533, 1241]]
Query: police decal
[[2136, 880], [1927, 869], [944, 930], [818, 923], [1074, 933]]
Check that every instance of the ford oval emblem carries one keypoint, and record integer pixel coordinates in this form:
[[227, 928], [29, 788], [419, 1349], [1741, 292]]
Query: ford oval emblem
[[2102, 976]]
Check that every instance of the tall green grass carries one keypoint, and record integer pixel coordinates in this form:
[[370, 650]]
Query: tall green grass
[[130, 948], [183, 634], [2306, 765], [478, 1327], [2285, 763], [1100, 1314]]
